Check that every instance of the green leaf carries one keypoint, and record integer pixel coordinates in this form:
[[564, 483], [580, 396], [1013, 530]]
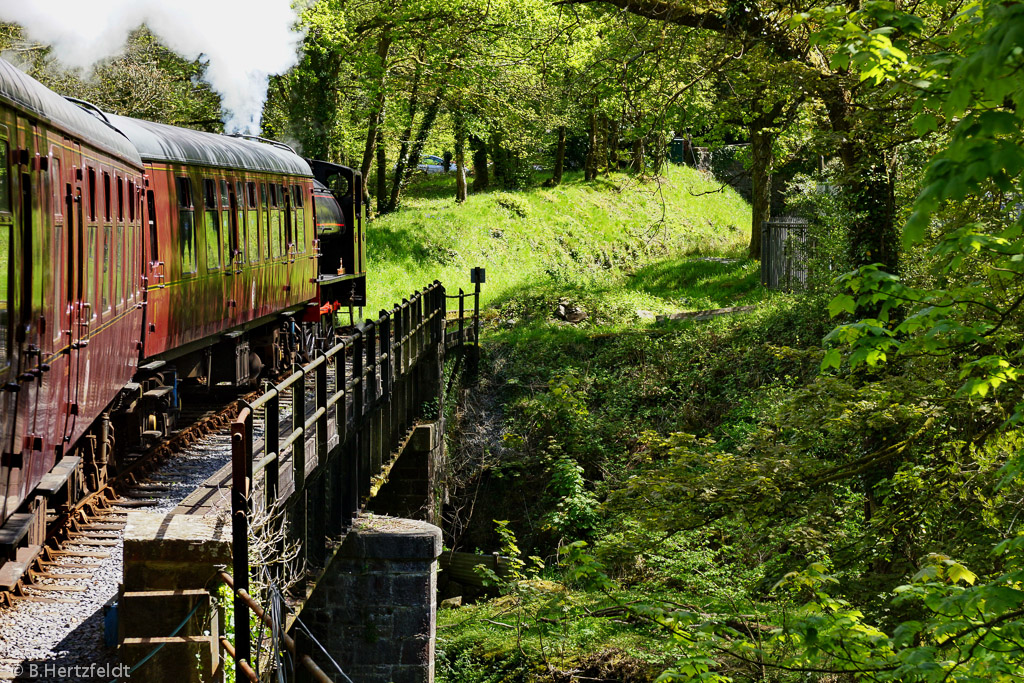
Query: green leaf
[[842, 302], [925, 123], [957, 572]]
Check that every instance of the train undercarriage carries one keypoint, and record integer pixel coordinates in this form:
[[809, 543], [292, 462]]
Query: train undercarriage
[[148, 410]]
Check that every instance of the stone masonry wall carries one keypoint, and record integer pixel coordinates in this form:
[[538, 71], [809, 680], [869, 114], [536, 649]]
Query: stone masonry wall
[[374, 608]]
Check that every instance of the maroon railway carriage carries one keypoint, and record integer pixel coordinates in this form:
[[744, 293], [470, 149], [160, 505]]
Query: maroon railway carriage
[[233, 262], [136, 257], [70, 295], [230, 249]]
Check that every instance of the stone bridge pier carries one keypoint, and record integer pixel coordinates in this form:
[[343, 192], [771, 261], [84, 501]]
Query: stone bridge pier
[[374, 607], [348, 476]]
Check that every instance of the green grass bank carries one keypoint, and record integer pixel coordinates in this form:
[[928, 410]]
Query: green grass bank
[[574, 233]]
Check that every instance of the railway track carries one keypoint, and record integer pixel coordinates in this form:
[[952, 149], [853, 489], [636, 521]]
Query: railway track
[[55, 615]]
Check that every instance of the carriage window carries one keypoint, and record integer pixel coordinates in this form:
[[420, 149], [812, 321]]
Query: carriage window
[[120, 198], [300, 219], [92, 193], [241, 228], [131, 263], [154, 246], [186, 226], [5, 253], [229, 241], [212, 224], [119, 267], [105, 281], [252, 223], [59, 277], [5, 277], [131, 201], [90, 269], [56, 185], [275, 224], [287, 219], [5, 178], [106, 196]]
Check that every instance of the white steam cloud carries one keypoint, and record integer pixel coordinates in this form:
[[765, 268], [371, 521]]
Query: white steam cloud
[[242, 42]]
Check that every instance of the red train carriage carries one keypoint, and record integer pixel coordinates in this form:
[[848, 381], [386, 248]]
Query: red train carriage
[[70, 296], [135, 256], [229, 250]]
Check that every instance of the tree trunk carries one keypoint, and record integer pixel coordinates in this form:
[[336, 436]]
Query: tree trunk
[[376, 114], [409, 161], [382, 174], [459, 120], [590, 170], [429, 116], [873, 237], [873, 234], [556, 176], [637, 162], [403, 152], [604, 145], [659, 152], [481, 177], [761, 157], [612, 144], [497, 158]]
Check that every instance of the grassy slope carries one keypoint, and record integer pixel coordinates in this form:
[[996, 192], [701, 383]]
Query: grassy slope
[[573, 232], [605, 247]]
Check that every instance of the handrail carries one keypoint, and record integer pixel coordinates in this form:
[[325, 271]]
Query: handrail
[[286, 640], [353, 421]]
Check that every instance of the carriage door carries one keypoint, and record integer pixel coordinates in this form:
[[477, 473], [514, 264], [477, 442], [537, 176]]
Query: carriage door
[[79, 313], [9, 392], [59, 320]]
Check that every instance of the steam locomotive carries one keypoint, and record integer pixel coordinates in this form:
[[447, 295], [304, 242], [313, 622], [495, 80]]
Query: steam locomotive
[[137, 258]]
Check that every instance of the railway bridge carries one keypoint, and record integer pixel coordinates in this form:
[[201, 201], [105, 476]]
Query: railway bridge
[[326, 548]]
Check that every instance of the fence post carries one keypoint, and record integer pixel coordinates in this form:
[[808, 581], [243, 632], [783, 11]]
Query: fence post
[[319, 532], [370, 450], [358, 393], [299, 522], [765, 254], [410, 380], [272, 473], [347, 500], [386, 365], [397, 385], [462, 314], [241, 508], [476, 315]]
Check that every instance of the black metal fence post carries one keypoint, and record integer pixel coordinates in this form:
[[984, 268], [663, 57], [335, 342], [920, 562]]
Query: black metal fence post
[[396, 365], [299, 522], [241, 508], [358, 391]]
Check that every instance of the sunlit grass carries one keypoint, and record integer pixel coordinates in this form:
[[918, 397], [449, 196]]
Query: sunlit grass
[[580, 232]]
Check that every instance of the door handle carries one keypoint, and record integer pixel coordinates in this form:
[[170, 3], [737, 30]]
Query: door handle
[[83, 322]]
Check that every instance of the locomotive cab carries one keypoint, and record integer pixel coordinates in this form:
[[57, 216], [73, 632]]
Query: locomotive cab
[[337, 203], [331, 231]]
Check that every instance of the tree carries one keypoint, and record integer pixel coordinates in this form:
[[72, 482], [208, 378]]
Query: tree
[[861, 145]]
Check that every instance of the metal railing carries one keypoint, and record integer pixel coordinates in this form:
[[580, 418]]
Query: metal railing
[[352, 409], [784, 245]]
